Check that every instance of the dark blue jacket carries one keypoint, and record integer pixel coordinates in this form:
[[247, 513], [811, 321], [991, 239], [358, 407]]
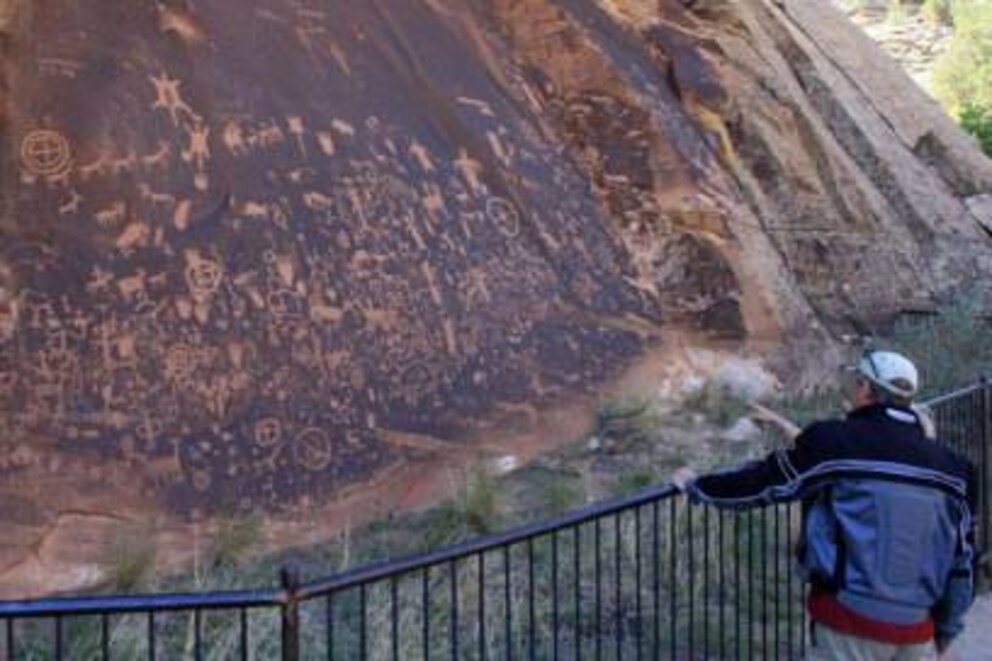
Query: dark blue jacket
[[888, 524]]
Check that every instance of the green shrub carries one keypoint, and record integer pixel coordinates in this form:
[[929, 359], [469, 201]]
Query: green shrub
[[131, 560], [977, 121], [631, 483], [629, 420], [237, 539], [939, 12], [896, 13], [951, 348], [963, 75]]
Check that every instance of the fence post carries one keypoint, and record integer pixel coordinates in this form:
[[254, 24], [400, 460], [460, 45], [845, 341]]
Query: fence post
[[985, 475], [290, 579]]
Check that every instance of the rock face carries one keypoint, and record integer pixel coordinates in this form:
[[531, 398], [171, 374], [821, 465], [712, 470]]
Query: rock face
[[256, 253]]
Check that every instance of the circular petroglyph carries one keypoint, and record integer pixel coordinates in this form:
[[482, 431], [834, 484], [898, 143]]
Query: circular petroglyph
[[45, 152], [503, 213], [312, 449], [203, 277], [268, 432], [180, 362]]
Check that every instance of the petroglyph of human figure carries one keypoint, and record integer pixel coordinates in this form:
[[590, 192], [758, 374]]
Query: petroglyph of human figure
[[169, 98], [198, 152]]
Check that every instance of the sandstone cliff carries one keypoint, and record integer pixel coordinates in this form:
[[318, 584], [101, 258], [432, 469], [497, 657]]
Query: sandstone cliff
[[254, 254]]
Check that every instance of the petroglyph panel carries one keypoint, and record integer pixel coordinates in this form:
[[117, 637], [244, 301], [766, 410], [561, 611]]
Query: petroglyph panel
[[248, 276]]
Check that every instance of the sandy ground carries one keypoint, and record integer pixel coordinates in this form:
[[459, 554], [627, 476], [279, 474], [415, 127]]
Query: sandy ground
[[975, 643]]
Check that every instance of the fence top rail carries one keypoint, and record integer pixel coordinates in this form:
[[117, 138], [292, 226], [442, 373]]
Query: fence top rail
[[376, 572], [141, 603], [961, 392]]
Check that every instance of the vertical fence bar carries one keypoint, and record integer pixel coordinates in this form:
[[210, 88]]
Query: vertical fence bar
[[425, 607], [554, 595], [105, 636], [507, 596], [656, 564], [637, 580], [706, 582], [329, 611], [394, 616], [197, 634], [750, 582], [482, 605], [721, 583], [763, 560], [737, 585], [777, 549], [244, 634], [532, 619], [598, 572], [453, 572], [9, 635], [577, 562], [151, 638], [363, 644], [58, 638], [290, 614], [691, 567], [985, 471], [789, 509], [618, 585], [673, 563]]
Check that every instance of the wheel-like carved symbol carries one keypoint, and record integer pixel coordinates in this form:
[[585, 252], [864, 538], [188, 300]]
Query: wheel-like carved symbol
[[203, 277], [504, 215], [312, 449], [45, 152]]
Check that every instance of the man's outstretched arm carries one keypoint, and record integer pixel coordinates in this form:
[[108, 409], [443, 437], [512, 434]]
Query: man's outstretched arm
[[776, 478]]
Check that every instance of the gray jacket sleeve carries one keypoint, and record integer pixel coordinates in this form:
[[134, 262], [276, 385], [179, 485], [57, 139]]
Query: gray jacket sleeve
[[959, 592]]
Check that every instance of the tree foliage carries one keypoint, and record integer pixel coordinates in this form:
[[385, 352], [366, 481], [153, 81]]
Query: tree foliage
[[963, 75]]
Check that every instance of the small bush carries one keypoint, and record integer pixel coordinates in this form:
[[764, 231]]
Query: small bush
[[951, 348], [963, 75], [977, 121], [131, 560], [237, 539], [629, 420], [939, 12], [631, 483], [559, 497], [718, 403]]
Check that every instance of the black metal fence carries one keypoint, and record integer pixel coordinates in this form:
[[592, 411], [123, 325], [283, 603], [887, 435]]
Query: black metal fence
[[649, 576]]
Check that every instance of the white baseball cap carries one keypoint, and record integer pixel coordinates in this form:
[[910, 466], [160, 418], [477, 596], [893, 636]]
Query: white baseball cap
[[890, 371]]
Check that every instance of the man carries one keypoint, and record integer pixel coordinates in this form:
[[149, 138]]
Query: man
[[887, 525]]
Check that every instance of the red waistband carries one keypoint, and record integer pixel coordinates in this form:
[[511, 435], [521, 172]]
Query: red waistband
[[828, 611]]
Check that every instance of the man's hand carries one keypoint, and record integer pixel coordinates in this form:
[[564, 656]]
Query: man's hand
[[682, 477], [764, 416]]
